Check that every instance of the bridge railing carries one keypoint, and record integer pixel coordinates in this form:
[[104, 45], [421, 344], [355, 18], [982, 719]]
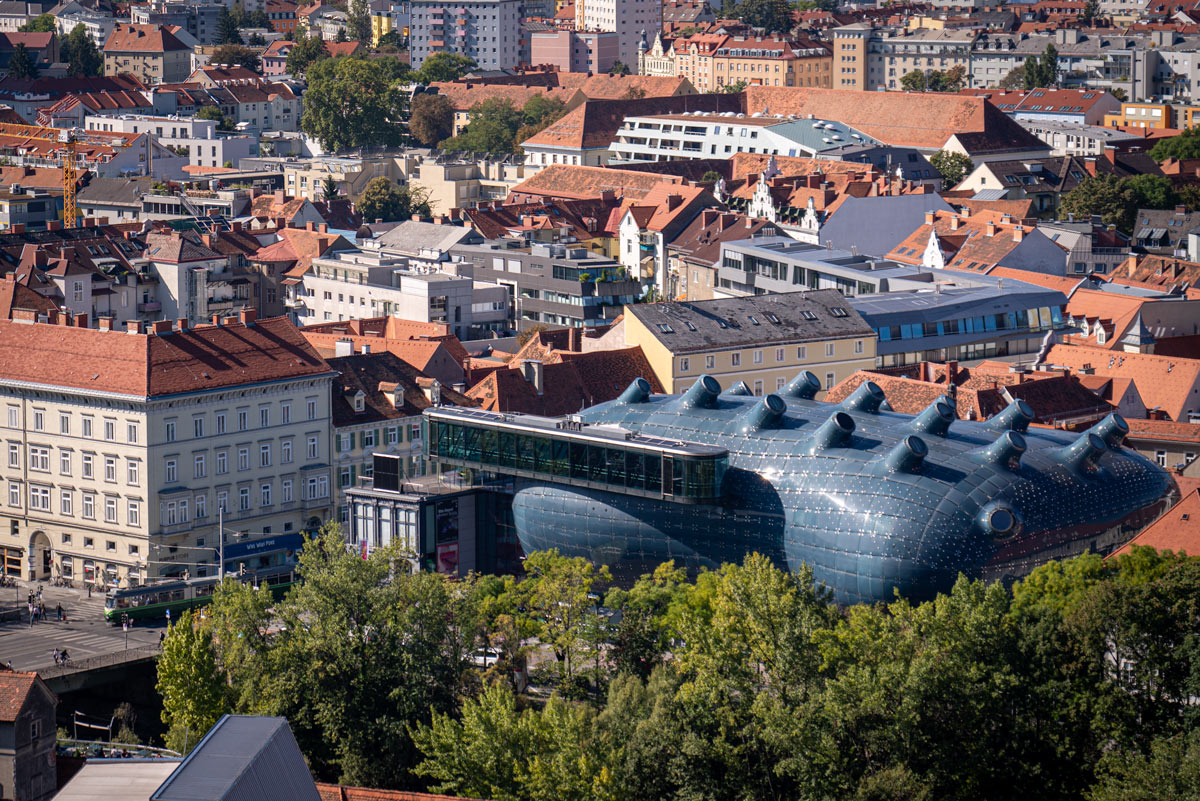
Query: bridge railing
[[101, 661]]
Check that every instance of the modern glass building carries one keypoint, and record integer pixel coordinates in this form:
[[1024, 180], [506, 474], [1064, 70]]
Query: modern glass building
[[873, 500]]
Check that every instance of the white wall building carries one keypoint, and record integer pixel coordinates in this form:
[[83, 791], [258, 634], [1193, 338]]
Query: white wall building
[[198, 138], [628, 18]]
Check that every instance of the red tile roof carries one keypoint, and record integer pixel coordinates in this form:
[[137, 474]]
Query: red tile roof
[[1178, 530], [342, 48], [1064, 284], [14, 295], [15, 688], [1164, 430], [572, 182], [1163, 382], [198, 359], [594, 124], [463, 96], [142, 39]]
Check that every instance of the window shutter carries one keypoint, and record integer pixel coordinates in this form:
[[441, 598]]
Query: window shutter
[[353, 474]]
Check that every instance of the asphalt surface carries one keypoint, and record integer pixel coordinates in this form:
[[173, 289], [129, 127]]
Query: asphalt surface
[[84, 634]]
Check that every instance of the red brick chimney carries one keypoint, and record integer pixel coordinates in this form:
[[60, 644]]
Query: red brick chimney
[[247, 316]]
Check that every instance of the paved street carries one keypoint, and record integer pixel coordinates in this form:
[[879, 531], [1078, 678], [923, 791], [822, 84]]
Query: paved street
[[84, 634]]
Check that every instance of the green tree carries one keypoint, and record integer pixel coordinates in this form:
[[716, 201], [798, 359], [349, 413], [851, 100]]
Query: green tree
[[444, 67], [712, 176], [1031, 73], [237, 54], [358, 22], [384, 200], [1171, 770], [215, 113], [193, 693], [914, 81], [618, 68], [734, 88], [431, 118], [21, 63], [1184, 146], [1015, 79], [1048, 67], [80, 54], [954, 78], [492, 129], [1117, 200], [227, 28], [329, 189], [953, 167], [351, 102], [539, 113], [648, 618], [43, 23], [1119, 94], [773, 16], [1091, 11], [391, 41], [306, 51]]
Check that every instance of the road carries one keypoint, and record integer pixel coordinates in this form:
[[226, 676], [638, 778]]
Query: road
[[85, 633]]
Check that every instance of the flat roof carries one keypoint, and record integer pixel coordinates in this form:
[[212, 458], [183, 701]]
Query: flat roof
[[117, 779]]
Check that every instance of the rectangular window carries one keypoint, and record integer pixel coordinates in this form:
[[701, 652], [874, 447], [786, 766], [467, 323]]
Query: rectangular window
[[134, 515], [170, 472], [685, 364], [758, 356], [828, 348], [735, 359], [110, 510], [39, 459], [285, 490], [243, 458], [414, 432], [14, 494], [244, 498], [64, 423], [110, 430], [131, 433], [243, 418], [311, 403], [199, 468], [222, 462], [14, 455], [39, 499], [170, 431], [391, 435], [264, 455], [1161, 458], [223, 500], [66, 502], [829, 381], [201, 505], [779, 382], [133, 472], [64, 462], [758, 387], [14, 417], [264, 416], [368, 439], [285, 451], [779, 354], [198, 427], [264, 495], [802, 352], [89, 505], [314, 448], [220, 422], [110, 469], [87, 465], [39, 420], [285, 412], [858, 346]]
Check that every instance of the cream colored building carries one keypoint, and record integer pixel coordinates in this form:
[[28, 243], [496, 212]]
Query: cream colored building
[[306, 179], [764, 340], [461, 182], [121, 447]]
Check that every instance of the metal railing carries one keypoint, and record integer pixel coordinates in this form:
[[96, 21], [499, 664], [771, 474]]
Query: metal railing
[[102, 661]]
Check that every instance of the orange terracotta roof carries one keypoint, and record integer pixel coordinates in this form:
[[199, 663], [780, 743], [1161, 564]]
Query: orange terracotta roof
[[1178, 530], [1163, 382], [573, 182], [1165, 430], [1107, 307], [463, 96], [142, 39], [1064, 284], [15, 688]]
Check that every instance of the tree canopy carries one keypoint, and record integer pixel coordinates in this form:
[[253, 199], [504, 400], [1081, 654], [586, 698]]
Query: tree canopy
[[953, 167], [237, 54], [21, 63], [773, 16], [950, 80], [744, 682], [227, 28], [384, 200], [1184, 146], [430, 119], [358, 22], [43, 23], [497, 126], [80, 54], [1117, 200], [306, 51], [444, 67], [1041, 73], [352, 102]]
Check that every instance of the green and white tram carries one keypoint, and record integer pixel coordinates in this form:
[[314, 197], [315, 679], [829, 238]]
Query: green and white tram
[[155, 600]]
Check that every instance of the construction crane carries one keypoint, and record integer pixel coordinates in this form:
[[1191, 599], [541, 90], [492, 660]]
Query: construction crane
[[69, 138]]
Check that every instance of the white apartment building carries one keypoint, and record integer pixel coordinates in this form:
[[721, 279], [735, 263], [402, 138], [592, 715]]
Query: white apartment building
[[355, 283], [628, 18], [98, 26], [121, 446], [193, 138]]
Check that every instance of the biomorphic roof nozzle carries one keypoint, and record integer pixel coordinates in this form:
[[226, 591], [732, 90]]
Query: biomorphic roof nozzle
[[833, 433], [867, 398], [638, 391], [1016, 417], [1112, 429], [766, 413], [1005, 451], [1084, 453], [935, 419], [740, 388], [908, 455], [703, 394], [804, 386]]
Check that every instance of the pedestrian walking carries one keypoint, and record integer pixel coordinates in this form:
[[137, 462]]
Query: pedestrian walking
[[32, 620], [161, 636], [59, 611], [89, 589], [56, 656]]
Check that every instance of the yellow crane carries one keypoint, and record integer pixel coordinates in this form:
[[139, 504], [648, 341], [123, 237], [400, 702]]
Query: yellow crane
[[69, 138]]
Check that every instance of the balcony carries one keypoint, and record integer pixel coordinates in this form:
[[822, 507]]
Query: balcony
[[149, 306]]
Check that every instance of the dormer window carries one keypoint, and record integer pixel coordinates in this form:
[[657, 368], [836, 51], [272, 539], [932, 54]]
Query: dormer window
[[359, 401]]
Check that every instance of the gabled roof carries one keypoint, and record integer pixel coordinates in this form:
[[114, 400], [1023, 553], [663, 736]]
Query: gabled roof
[[975, 243], [15, 689], [1163, 382], [574, 182], [594, 124], [1178, 530], [700, 242], [377, 375], [15, 295], [463, 96], [585, 218]]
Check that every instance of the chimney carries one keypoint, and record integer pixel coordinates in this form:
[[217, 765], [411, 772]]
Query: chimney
[[89, 222], [52, 316], [416, 218], [312, 226], [990, 228], [455, 213], [102, 222], [216, 320], [930, 217], [181, 324], [343, 347], [235, 226], [162, 327], [54, 225], [104, 323], [1018, 233], [533, 372], [133, 326], [323, 228], [279, 196], [81, 320], [954, 222], [17, 228], [24, 315], [247, 316], [207, 240]]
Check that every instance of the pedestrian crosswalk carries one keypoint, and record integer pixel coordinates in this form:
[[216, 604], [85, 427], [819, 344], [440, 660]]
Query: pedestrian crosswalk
[[32, 647]]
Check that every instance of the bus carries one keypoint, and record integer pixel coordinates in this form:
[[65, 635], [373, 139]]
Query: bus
[[177, 596]]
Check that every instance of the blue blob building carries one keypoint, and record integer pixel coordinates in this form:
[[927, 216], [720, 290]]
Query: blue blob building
[[874, 501]]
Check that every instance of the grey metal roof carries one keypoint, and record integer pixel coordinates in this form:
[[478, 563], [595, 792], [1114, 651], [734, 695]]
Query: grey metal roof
[[242, 758], [875, 225], [117, 780], [411, 237], [756, 320], [990, 194], [927, 307]]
